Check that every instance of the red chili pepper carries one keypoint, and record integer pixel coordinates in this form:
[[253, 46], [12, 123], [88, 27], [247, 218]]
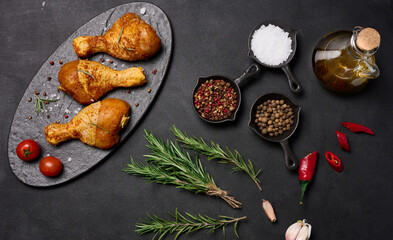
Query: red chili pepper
[[306, 171], [342, 139], [334, 161], [355, 127]]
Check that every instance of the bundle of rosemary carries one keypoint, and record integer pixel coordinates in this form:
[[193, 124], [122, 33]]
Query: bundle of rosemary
[[169, 164], [214, 151], [184, 225]]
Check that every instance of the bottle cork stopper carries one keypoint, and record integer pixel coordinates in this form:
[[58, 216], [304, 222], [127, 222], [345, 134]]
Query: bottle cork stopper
[[368, 39]]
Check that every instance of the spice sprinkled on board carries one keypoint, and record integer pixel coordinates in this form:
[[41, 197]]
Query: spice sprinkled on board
[[271, 45]]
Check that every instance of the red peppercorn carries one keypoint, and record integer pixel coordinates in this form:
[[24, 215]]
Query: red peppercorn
[[52, 62], [49, 78], [66, 116], [154, 71]]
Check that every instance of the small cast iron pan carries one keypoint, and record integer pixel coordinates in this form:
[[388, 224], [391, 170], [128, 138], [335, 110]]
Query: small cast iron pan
[[290, 160], [294, 84], [251, 72]]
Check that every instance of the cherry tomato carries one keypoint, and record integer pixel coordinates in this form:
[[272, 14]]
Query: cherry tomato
[[50, 166], [28, 150]]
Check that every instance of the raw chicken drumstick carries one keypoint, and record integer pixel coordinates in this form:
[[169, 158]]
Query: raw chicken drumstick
[[130, 38], [97, 125], [87, 81]]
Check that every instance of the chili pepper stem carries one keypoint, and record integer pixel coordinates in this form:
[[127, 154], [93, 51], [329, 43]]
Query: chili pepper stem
[[304, 185]]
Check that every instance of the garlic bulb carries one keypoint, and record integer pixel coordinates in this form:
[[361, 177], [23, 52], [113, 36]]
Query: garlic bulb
[[300, 230]]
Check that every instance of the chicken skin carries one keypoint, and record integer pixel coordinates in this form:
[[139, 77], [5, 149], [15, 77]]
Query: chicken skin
[[130, 38], [87, 81], [97, 125]]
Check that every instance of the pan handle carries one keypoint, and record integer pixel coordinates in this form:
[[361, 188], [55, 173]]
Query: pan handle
[[294, 84], [290, 160], [251, 71]]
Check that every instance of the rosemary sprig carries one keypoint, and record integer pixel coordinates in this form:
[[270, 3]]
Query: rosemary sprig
[[99, 127], [184, 224], [214, 151], [118, 41], [39, 104], [82, 71], [169, 164]]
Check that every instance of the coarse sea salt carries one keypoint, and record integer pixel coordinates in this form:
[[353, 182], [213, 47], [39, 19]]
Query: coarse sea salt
[[271, 45], [143, 11]]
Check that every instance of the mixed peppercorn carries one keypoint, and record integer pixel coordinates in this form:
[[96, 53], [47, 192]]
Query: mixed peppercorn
[[215, 100], [274, 117]]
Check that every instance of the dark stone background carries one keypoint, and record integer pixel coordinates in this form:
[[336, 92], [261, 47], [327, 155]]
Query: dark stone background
[[210, 37]]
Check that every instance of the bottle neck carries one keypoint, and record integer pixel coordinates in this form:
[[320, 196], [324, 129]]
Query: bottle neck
[[355, 50]]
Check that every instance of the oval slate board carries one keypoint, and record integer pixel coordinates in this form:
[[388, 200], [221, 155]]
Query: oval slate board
[[76, 156]]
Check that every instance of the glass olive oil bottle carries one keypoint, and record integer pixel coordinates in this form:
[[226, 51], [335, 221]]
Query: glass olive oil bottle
[[343, 61]]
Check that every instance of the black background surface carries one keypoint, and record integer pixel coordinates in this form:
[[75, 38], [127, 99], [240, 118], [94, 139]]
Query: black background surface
[[210, 37]]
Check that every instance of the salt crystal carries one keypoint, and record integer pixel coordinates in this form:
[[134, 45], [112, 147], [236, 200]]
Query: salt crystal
[[67, 111], [69, 159], [271, 45], [143, 11]]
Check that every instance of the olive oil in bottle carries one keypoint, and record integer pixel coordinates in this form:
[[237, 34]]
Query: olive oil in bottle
[[343, 61]]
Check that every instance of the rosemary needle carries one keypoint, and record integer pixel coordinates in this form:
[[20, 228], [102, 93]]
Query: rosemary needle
[[99, 127], [82, 71], [118, 41]]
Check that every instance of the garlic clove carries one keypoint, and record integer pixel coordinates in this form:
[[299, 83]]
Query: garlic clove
[[293, 230], [309, 229], [269, 211], [303, 233]]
